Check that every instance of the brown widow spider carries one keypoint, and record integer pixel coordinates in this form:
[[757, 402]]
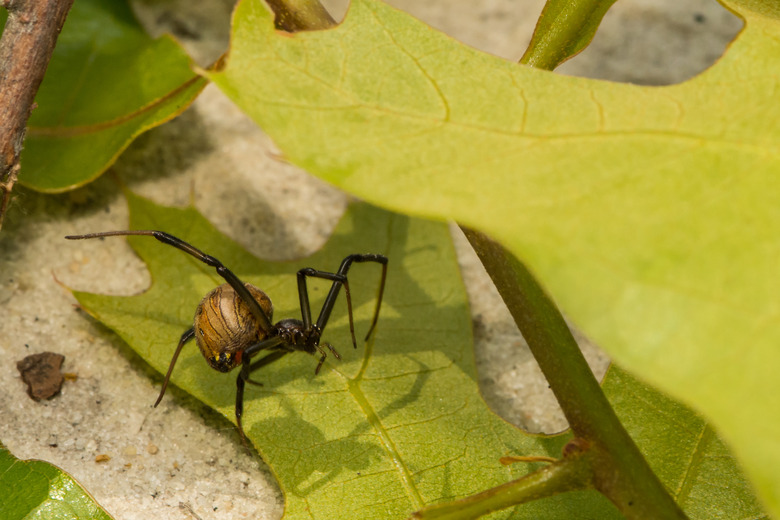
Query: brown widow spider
[[233, 321]]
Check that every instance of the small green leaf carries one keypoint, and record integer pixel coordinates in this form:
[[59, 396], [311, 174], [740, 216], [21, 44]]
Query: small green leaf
[[107, 82], [649, 213], [33, 489], [399, 422]]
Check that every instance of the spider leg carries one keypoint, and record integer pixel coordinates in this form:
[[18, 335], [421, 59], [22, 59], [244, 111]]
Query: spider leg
[[339, 278], [382, 260], [333, 351], [319, 365], [247, 367], [334, 290], [325, 355], [188, 335], [237, 285], [303, 294], [264, 361]]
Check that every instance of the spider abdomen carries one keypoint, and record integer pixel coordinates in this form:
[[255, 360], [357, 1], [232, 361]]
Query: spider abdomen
[[224, 325]]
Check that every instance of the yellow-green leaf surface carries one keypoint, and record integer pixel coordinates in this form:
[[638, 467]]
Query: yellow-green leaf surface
[[36, 490], [398, 423], [106, 83], [650, 213]]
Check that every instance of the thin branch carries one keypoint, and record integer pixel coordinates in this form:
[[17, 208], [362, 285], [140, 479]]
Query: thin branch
[[620, 471], [568, 474], [28, 40], [564, 29]]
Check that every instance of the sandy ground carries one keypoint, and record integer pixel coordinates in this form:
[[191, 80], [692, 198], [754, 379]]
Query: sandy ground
[[181, 460]]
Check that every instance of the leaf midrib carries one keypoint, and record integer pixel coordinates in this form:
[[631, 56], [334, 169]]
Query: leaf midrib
[[353, 385], [80, 130]]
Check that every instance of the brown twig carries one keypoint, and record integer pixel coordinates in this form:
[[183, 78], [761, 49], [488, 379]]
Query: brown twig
[[25, 49]]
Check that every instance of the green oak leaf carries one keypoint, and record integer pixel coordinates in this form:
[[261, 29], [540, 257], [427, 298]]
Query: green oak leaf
[[651, 214], [399, 422], [107, 82], [33, 489]]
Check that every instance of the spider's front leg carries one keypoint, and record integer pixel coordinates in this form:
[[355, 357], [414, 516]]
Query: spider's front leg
[[247, 367], [325, 355], [188, 335], [338, 278], [254, 307]]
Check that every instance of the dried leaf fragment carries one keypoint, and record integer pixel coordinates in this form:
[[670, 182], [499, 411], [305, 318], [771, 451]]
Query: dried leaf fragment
[[41, 372]]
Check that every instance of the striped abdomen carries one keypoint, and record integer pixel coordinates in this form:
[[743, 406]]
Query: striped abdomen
[[224, 325]]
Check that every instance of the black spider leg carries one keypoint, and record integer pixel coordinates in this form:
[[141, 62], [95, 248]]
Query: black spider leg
[[314, 332], [381, 259], [224, 272], [247, 367], [188, 335], [338, 278], [330, 300]]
